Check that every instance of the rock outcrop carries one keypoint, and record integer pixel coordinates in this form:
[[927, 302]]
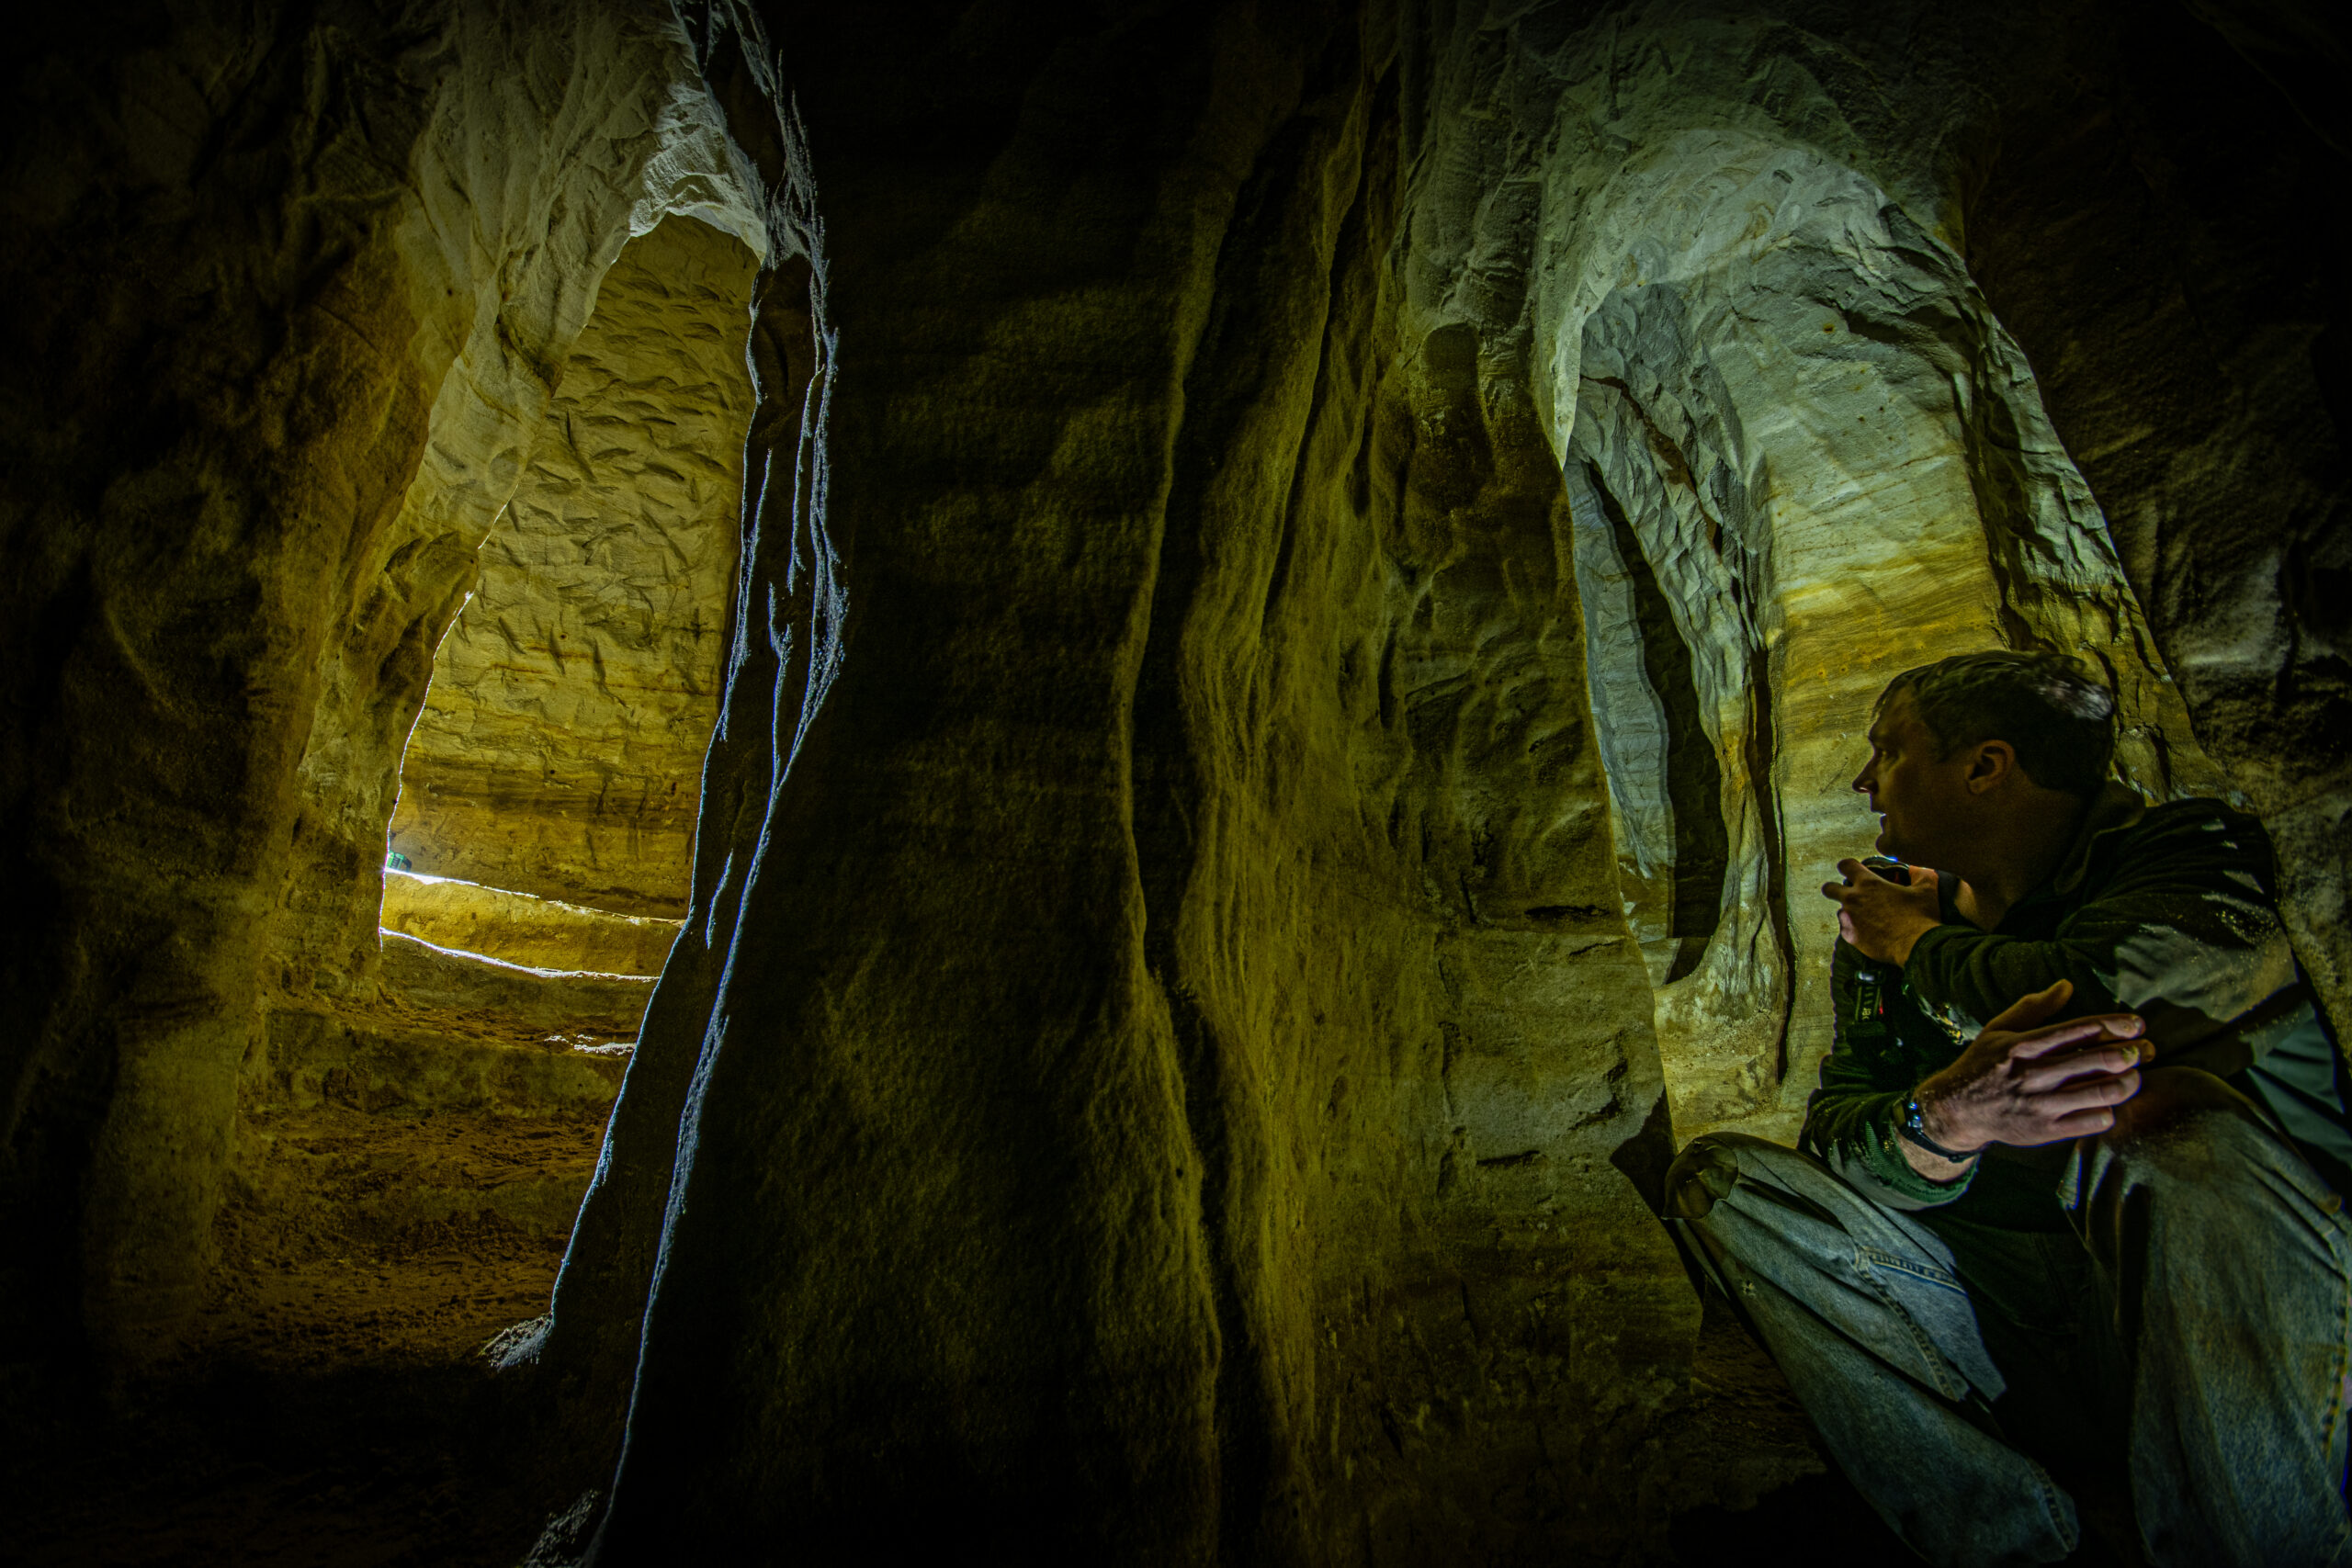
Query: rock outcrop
[[2194, 342], [538, 933]]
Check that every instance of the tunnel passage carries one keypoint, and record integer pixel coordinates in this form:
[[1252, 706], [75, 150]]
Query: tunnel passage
[[425, 1147], [564, 734]]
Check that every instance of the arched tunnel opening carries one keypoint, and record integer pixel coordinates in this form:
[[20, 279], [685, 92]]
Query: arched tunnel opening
[[408, 1156], [827, 782]]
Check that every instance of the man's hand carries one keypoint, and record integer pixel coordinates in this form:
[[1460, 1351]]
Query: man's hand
[[1881, 919], [2023, 1086]]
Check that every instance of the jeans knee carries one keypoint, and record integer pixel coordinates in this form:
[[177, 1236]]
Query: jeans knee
[[1702, 1176], [2186, 1125], [2180, 1112]]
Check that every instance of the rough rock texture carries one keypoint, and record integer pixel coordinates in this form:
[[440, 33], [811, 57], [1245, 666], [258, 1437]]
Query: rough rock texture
[[437, 1147], [563, 737], [261, 254], [1191, 904], [1804, 455], [1613, 249], [2195, 346]]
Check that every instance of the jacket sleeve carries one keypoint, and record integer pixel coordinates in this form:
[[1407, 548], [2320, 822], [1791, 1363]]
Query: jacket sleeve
[[2184, 932], [1871, 1067]]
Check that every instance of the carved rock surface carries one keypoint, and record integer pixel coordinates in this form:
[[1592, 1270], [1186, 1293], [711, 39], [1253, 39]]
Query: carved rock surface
[[1156, 720], [1214, 1041], [560, 752], [1803, 453], [2194, 344]]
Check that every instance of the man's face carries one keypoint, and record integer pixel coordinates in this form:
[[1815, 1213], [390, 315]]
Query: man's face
[[1922, 798]]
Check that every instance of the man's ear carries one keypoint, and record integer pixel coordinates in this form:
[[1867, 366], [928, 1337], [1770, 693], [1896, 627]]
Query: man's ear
[[1990, 765]]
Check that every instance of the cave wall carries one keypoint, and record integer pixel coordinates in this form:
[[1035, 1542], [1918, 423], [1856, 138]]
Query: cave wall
[[563, 733], [2145, 226], [1806, 454], [1191, 904], [289, 294]]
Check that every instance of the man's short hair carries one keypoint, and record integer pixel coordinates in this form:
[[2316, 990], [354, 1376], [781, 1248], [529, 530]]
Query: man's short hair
[[2060, 722]]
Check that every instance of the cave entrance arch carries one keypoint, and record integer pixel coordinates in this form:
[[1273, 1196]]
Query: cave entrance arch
[[412, 1154]]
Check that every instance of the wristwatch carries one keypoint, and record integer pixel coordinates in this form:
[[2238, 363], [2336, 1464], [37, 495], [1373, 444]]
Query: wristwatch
[[1912, 1123]]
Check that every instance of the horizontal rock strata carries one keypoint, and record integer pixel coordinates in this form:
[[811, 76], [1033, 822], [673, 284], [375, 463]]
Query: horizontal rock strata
[[537, 933]]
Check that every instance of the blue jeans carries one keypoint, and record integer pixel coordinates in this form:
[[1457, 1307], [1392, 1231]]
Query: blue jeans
[[2192, 1335]]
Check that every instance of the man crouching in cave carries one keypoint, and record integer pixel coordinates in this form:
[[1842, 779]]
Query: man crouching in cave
[[2032, 1241]]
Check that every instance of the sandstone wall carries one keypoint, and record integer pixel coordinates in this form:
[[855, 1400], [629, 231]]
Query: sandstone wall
[[2147, 230], [541, 933], [561, 748], [1191, 909], [1806, 456], [288, 296]]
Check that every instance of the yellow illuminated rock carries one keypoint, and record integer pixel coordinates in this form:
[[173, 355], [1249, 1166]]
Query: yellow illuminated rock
[[560, 752], [1282, 602]]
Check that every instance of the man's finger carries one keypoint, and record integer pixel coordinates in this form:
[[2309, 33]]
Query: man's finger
[[2096, 1094], [2054, 1072], [2084, 1119], [2056, 1038], [2082, 1123], [1837, 890], [2027, 1011]]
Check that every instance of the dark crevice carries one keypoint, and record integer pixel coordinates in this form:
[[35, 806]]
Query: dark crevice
[[1694, 780], [1672, 462], [1644, 1158], [1168, 794], [1763, 745]]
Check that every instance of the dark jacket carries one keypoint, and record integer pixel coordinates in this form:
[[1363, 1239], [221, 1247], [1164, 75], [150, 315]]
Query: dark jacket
[[2169, 912]]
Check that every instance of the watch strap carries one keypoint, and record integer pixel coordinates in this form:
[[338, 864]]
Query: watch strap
[[1911, 1122]]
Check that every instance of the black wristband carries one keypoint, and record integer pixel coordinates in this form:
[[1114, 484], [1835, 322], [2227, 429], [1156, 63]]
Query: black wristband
[[1911, 1123]]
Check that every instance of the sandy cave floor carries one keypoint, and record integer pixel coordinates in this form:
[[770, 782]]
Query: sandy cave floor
[[334, 1411], [339, 1415], [344, 1418]]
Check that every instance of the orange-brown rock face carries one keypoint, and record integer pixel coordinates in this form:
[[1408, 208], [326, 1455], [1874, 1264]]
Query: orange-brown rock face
[[559, 752]]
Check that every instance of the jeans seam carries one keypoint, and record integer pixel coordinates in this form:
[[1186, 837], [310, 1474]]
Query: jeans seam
[[1928, 1272], [1939, 1366]]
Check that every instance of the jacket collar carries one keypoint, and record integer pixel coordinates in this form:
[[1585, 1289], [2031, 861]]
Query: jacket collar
[[2113, 809]]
